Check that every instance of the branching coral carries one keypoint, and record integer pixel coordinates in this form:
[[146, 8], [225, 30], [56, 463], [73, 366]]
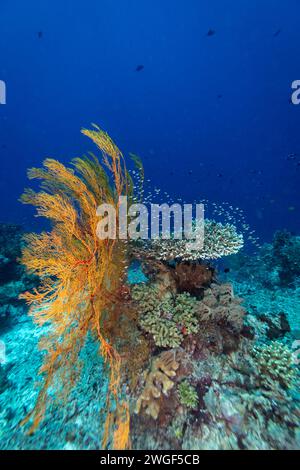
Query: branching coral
[[165, 332], [167, 319], [184, 311], [80, 274], [159, 381], [187, 395], [275, 365], [219, 240]]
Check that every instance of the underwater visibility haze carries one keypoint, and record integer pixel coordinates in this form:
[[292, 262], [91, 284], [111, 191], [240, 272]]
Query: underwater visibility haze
[[111, 337]]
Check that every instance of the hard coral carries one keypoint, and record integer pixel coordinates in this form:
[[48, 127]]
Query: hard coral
[[275, 365], [168, 319], [219, 240]]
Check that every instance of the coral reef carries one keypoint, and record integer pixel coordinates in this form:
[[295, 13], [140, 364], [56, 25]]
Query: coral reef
[[238, 407], [184, 363], [232, 412], [240, 393], [272, 303]]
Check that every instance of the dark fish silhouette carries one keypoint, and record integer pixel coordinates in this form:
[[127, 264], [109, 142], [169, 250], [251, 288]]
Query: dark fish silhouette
[[211, 32], [277, 33], [40, 34], [226, 270], [139, 68]]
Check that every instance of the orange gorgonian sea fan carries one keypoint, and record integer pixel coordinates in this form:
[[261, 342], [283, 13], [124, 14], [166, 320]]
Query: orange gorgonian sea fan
[[79, 273]]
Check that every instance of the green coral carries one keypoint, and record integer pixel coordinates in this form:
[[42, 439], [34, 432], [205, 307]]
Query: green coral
[[275, 365], [167, 319], [184, 312], [145, 294], [164, 331], [187, 395]]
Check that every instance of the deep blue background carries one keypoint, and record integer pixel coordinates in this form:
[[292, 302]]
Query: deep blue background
[[194, 142]]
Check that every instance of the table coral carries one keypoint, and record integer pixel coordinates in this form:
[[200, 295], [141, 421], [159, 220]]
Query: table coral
[[219, 240]]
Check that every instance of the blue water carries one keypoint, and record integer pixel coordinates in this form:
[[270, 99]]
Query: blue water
[[210, 115]]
